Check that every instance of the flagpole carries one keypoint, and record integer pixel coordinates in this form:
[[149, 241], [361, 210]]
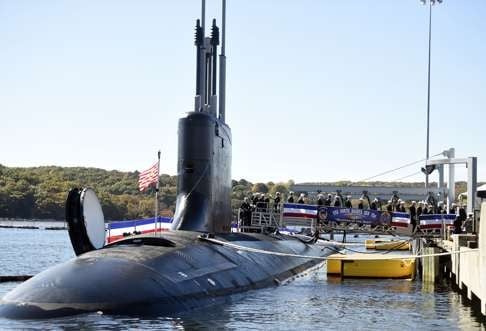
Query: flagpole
[[157, 194]]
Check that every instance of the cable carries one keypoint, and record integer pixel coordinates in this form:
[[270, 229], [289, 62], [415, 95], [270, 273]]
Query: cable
[[198, 180], [325, 258], [407, 176], [393, 170]]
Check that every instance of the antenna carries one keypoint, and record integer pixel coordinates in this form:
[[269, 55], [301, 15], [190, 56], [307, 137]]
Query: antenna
[[207, 66], [222, 67], [200, 99]]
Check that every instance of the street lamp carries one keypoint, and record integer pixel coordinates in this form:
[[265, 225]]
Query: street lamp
[[431, 3]]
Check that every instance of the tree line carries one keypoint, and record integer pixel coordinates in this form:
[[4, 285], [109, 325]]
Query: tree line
[[40, 192]]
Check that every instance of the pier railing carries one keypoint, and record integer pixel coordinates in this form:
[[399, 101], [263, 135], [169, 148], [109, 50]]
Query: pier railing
[[292, 215]]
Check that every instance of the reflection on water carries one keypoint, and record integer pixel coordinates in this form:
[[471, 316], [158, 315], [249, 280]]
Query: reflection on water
[[311, 302]]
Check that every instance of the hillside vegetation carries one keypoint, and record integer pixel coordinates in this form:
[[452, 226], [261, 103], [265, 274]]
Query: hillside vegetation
[[40, 192]]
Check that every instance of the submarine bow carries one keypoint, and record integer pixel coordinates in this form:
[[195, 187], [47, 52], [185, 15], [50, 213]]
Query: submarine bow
[[160, 275]]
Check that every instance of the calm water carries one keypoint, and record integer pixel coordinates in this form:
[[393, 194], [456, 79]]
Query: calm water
[[311, 302]]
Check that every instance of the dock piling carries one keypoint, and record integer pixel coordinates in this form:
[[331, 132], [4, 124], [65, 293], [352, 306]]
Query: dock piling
[[430, 265]]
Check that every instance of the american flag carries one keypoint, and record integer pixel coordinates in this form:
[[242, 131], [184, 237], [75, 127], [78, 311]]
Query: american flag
[[148, 177]]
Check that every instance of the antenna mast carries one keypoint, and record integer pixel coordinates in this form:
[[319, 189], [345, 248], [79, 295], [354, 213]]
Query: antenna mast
[[222, 67], [206, 99]]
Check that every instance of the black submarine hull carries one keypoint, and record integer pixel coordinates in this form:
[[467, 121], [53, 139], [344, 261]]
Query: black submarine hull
[[159, 276]]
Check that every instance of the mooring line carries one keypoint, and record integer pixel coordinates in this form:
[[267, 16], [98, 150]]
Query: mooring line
[[325, 258]]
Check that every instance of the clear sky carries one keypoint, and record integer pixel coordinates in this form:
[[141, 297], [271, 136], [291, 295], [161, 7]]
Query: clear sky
[[316, 90]]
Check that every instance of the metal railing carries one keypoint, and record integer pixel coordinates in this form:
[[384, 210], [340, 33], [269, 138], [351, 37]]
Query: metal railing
[[259, 219]]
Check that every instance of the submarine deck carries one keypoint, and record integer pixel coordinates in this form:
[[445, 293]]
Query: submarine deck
[[158, 275]]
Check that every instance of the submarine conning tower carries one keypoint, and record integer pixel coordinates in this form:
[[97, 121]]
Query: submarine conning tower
[[204, 148]]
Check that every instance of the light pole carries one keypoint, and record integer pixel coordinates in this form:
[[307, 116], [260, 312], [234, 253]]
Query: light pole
[[430, 3]]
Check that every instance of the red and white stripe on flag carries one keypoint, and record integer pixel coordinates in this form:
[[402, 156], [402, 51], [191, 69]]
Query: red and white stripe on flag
[[401, 220], [148, 177]]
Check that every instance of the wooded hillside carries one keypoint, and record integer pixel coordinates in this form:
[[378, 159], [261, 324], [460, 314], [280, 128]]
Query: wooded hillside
[[40, 192]]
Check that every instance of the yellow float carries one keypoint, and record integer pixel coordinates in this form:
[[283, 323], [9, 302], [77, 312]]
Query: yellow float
[[361, 265]]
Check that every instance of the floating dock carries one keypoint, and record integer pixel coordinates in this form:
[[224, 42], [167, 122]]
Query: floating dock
[[362, 265]]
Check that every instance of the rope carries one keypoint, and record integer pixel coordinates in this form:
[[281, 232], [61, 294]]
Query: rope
[[261, 251], [198, 180]]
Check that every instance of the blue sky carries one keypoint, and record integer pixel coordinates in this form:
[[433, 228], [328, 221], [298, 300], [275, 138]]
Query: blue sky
[[317, 90]]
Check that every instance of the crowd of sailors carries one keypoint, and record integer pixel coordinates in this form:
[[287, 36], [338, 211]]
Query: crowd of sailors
[[264, 202]]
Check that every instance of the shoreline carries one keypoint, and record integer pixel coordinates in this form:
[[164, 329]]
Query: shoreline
[[20, 223]]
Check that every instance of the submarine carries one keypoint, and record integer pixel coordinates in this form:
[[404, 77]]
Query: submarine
[[200, 262]]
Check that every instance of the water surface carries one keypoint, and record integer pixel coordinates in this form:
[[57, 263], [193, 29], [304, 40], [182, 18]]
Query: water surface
[[311, 302]]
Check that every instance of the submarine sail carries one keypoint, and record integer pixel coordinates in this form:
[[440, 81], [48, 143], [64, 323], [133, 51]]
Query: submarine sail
[[182, 270], [204, 164]]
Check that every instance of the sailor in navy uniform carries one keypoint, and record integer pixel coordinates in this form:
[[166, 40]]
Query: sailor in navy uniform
[[301, 199], [440, 208], [328, 200], [267, 201], [255, 199], [261, 203], [245, 213], [347, 202], [374, 204], [413, 215], [276, 202], [420, 209], [401, 207], [453, 209], [291, 197]]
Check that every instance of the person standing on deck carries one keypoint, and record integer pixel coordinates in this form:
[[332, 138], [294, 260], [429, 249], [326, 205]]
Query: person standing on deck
[[255, 199], [389, 207], [320, 200], [374, 204], [261, 203], [425, 211], [347, 202], [301, 199], [413, 215], [328, 200], [396, 207], [276, 202], [267, 201], [452, 210], [337, 201], [459, 220], [245, 212], [360, 204], [291, 197], [401, 208], [440, 208], [420, 209]]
